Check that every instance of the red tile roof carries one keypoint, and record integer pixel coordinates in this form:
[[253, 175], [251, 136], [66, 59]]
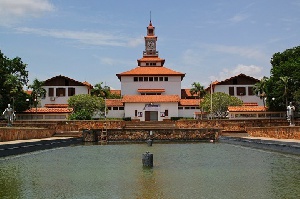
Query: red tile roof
[[114, 102], [151, 71], [145, 90], [56, 105], [49, 110], [186, 93], [151, 59], [246, 108], [189, 102], [150, 98], [116, 92]]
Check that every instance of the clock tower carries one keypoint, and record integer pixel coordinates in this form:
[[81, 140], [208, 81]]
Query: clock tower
[[150, 41]]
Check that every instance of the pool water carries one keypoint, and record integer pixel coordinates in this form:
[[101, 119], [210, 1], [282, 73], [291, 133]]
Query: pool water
[[181, 170]]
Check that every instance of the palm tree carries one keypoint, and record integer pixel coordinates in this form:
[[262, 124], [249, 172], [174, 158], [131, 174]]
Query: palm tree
[[259, 89], [285, 81], [37, 90], [197, 89]]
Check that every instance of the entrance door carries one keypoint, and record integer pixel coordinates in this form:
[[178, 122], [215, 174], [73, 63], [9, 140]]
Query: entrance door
[[151, 115]]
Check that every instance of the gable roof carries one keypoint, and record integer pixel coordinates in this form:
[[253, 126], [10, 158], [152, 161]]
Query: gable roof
[[151, 71], [150, 98], [234, 77], [56, 79]]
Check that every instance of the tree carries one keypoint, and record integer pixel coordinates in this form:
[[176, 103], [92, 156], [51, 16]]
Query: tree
[[85, 106], [197, 89], [13, 78], [220, 103], [284, 82], [37, 91], [259, 89], [104, 92]]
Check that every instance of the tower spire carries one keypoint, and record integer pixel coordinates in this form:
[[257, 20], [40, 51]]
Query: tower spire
[[150, 16]]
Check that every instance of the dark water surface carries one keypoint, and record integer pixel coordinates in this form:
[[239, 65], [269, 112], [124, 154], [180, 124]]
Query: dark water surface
[[192, 170]]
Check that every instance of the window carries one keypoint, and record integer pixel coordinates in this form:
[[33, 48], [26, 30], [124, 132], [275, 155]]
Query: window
[[241, 91], [135, 79], [115, 108], [150, 79], [156, 79], [166, 112], [71, 91], [145, 79], [141, 79], [51, 92], [161, 79], [166, 79], [187, 107], [121, 108], [109, 108], [180, 107], [231, 91], [135, 113], [60, 92], [250, 90]]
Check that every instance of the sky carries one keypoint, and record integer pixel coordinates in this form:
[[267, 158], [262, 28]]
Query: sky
[[93, 40]]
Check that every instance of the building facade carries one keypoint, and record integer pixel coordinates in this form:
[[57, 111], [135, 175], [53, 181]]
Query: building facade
[[240, 86], [151, 91]]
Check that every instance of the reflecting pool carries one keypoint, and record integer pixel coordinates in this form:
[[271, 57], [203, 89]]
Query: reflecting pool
[[183, 170]]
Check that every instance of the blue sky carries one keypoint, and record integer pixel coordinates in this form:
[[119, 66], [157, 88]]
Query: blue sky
[[93, 40]]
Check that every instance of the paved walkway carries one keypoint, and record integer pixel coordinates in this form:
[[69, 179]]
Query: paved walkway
[[33, 140]]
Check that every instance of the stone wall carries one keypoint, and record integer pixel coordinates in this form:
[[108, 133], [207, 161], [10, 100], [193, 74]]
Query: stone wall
[[138, 135], [279, 132], [19, 133]]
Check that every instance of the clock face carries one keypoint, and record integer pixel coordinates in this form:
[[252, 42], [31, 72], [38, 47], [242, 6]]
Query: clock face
[[151, 44]]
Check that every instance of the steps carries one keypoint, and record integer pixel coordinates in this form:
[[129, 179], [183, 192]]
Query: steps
[[150, 125]]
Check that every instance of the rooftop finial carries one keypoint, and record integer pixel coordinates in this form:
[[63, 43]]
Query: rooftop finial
[[150, 16]]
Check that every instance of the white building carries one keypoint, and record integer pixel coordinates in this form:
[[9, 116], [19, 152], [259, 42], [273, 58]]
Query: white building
[[240, 86], [151, 91], [60, 88]]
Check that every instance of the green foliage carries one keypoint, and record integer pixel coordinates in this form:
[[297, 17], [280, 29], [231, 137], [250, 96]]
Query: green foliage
[[85, 106], [37, 91], [260, 89], [104, 92], [220, 103], [13, 78], [81, 115], [197, 89], [284, 82]]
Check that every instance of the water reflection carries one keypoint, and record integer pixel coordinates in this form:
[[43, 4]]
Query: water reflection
[[199, 170]]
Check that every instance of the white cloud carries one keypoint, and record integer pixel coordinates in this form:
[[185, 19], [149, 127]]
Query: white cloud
[[12, 11], [136, 41], [251, 70], [238, 18], [248, 52], [84, 37]]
